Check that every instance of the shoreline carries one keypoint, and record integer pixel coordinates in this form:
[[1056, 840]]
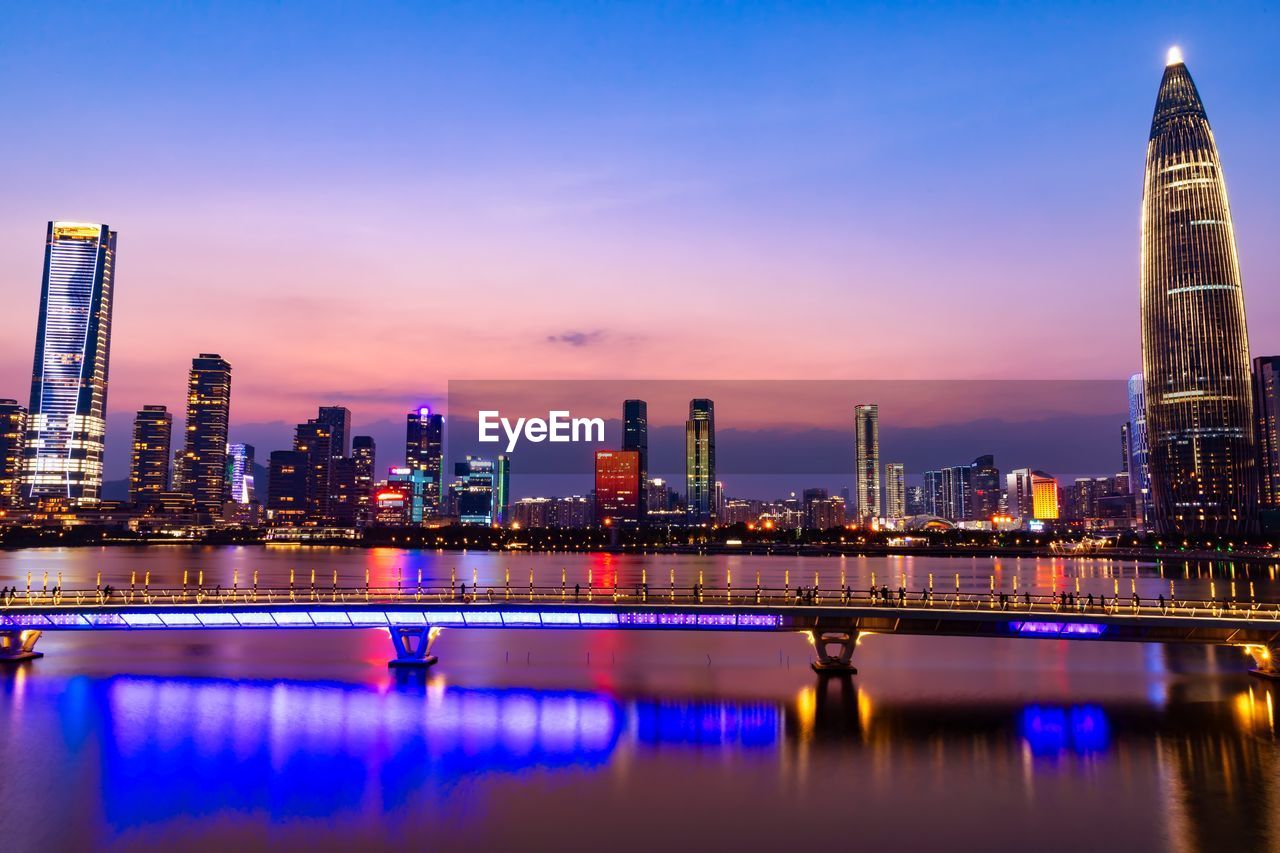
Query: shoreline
[[758, 549]]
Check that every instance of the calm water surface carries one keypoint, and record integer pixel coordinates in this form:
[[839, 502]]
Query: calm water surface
[[597, 740]]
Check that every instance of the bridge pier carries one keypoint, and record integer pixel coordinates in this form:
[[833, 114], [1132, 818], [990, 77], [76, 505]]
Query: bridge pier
[[16, 646], [1265, 662], [413, 646], [834, 651]]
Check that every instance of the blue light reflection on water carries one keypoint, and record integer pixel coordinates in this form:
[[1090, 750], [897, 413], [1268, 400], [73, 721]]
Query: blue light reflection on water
[[170, 748], [184, 746], [1053, 731], [752, 726]]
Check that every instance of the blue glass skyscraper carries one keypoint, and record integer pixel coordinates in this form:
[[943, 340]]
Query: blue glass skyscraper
[[1139, 474], [66, 423]]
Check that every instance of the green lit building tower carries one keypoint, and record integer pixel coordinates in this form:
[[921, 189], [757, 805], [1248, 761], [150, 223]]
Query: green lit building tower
[[1195, 347], [66, 420], [502, 490], [204, 458], [700, 461]]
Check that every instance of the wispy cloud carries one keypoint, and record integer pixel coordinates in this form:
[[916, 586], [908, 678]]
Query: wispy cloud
[[577, 338]]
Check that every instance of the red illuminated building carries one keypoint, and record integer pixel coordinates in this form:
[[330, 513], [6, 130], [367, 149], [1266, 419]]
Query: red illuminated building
[[617, 486]]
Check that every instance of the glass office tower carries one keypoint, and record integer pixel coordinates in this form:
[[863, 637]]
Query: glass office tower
[[700, 461], [66, 421]]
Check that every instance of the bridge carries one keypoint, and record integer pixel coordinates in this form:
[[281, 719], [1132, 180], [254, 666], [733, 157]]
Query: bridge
[[832, 619]]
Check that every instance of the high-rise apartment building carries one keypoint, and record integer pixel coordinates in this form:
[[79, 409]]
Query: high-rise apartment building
[[13, 437], [363, 454], [315, 439], [895, 490], [204, 460], [1018, 497], [151, 452], [867, 460]]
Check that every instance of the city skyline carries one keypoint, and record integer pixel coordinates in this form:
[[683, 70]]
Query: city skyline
[[803, 222], [506, 424], [1193, 312]]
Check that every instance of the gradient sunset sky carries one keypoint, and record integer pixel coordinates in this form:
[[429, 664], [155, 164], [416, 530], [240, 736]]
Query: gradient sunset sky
[[356, 203]]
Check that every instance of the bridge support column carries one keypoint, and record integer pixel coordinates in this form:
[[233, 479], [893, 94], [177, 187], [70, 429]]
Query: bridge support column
[[18, 646], [834, 651], [1266, 661], [413, 646]]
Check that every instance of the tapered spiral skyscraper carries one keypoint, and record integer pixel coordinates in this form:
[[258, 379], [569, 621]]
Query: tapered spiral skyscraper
[[1195, 347]]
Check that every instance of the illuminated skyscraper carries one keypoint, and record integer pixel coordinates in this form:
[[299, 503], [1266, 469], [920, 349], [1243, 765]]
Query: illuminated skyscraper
[[986, 488], [66, 420], [957, 492], [315, 439], [240, 479], [1266, 404], [933, 500], [700, 461], [618, 486], [424, 452], [1044, 496], [204, 461], [1139, 470], [867, 460], [895, 491], [363, 454], [1195, 347], [1018, 494], [338, 419], [635, 436], [287, 486], [13, 436], [502, 490], [149, 461], [479, 485]]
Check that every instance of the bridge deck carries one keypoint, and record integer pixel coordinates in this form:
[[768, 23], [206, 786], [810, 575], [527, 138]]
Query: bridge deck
[[830, 616]]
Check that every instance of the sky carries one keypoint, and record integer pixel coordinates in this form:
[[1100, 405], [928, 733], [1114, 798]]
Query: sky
[[360, 203]]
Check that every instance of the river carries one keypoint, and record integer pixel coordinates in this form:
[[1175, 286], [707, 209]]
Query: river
[[623, 741]]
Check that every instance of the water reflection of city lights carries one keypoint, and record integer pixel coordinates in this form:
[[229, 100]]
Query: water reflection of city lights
[[1255, 710], [806, 710], [1050, 732]]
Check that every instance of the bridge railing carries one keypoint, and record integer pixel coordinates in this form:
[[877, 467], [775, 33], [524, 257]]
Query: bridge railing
[[892, 600]]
